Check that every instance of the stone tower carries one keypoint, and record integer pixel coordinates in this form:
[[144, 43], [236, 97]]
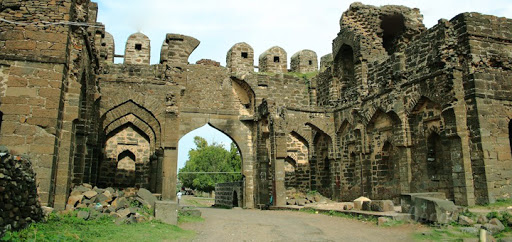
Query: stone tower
[[240, 58], [273, 60], [304, 61], [137, 50]]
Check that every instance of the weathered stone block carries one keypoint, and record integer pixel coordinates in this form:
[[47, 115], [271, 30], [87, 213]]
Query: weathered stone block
[[382, 206], [167, 212]]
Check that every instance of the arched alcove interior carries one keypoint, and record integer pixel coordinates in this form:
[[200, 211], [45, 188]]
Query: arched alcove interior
[[344, 65]]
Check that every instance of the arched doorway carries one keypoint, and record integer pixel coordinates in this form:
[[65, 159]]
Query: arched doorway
[[235, 199], [125, 172], [208, 158]]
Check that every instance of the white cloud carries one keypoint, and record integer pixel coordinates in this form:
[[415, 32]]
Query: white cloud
[[291, 24]]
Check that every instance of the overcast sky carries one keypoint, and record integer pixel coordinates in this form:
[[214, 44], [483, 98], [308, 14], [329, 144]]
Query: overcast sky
[[219, 24]]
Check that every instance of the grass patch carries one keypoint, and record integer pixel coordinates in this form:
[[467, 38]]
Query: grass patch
[[443, 234], [500, 203], [71, 228], [189, 219]]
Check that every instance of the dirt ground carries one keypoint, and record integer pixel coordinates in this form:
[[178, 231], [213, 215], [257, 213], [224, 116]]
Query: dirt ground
[[256, 225]]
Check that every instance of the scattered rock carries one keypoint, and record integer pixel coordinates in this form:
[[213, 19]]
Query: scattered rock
[[90, 194], [124, 212], [301, 202], [83, 214], [482, 219], [290, 202], [498, 223], [463, 220]]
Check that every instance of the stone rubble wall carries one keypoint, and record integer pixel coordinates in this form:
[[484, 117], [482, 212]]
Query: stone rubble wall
[[19, 202], [224, 193]]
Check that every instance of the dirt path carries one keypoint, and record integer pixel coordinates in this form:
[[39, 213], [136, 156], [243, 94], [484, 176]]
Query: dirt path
[[255, 225]]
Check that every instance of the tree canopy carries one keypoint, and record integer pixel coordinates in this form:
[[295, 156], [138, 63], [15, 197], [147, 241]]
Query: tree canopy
[[210, 158]]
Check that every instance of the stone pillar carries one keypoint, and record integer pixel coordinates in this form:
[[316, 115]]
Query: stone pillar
[[279, 174], [169, 173]]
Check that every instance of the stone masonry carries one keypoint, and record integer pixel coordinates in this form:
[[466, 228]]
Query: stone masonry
[[396, 108]]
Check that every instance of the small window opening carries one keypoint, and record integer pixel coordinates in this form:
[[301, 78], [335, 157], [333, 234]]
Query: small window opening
[[276, 59], [138, 46], [393, 27], [103, 44], [310, 62], [245, 55]]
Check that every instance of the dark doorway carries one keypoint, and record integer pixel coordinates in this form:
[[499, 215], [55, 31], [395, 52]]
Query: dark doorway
[[235, 199]]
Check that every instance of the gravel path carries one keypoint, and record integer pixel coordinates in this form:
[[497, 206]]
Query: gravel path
[[255, 225]]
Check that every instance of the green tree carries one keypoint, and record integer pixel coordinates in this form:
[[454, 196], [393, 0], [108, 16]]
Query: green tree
[[210, 158]]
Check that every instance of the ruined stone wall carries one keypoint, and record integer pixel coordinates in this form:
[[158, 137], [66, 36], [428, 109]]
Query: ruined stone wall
[[19, 202], [229, 194], [38, 72], [487, 71]]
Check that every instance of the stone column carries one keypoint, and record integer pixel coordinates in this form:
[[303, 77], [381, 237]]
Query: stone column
[[279, 174], [169, 173]]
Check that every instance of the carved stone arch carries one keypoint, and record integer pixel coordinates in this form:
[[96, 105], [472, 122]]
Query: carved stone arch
[[417, 101], [300, 137], [151, 104], [137, 122], [343, 126], [130, 107]]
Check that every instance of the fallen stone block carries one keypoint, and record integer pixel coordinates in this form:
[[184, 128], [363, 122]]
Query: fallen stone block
[[90, 194], [358, 203], [291, 201], [83, 214], [124, 212], [167, 212], [406, 199], [75, 200], [147, 196], [382, 206], [463, 220], [367, 206], [435, 210]]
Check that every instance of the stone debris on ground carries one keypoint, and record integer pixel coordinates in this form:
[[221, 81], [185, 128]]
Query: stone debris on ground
[[129, 205], [301, 199]]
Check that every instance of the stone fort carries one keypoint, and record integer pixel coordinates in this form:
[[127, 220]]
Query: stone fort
[[396, 108]]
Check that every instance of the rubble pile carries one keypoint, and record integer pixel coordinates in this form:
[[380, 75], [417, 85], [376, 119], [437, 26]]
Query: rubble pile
[[19, 203], [126, 206]]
